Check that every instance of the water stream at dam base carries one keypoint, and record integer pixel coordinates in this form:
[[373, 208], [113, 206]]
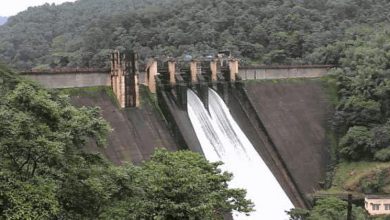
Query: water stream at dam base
[[222, 139]]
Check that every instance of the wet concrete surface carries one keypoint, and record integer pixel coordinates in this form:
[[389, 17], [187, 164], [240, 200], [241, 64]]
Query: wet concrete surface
[[180, 123], [247, 118], [137, 132], [295, 115]]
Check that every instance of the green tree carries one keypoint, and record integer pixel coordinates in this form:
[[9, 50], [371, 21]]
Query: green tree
[[355, 145], [41, 141], [330, 208], [184, 185], [274, 31]]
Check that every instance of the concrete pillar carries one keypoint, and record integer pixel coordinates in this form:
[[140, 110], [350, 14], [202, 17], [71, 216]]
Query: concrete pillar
[[213, 68], [203, 91], [181, 92], [115, 74], [112, 62], [152, 72], [118, 85], [223, 90], [134, 63], [122, 90], [172, 72], [233, 69], [137, 97], [124, 79], [194, 70]]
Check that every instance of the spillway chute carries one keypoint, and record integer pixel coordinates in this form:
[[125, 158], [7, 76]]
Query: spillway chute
[[222, 139]]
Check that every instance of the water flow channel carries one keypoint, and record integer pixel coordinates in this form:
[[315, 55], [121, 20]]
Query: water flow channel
[[222, 139]]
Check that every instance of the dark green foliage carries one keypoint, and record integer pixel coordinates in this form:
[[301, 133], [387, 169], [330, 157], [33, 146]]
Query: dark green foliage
[[329, 208], [355, 145], [185, 186], [380, 218], [374, 182], [41, 136], [298, 214], [362, 115], [383, 154], [275, 31]]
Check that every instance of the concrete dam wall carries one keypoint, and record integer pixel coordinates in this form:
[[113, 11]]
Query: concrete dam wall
[[70, 78], [286, 121], [283, 72], [295, 116], [243, 111], [136, 131]]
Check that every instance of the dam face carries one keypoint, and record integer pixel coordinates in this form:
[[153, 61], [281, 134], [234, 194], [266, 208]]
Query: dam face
[[290, 137], [284, 121], [136, 131], [295, 115], [223, 140]]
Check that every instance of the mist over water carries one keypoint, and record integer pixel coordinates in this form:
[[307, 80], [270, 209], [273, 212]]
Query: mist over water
[[222, 139]]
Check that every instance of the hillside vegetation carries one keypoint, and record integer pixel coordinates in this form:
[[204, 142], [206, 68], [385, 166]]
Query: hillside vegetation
[[261, 31], [361, 123]]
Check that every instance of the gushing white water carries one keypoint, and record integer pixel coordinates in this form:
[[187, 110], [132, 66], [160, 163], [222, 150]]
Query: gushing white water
[[222, 139]]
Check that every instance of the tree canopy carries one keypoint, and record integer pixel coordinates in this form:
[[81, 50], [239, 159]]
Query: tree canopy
[[81, 34], [330, 208], [361, 120]]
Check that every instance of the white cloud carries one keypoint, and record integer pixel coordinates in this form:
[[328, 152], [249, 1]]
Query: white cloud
[[12, 7]]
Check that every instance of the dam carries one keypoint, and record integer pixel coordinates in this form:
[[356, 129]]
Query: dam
[[222, 140], [280, 124]]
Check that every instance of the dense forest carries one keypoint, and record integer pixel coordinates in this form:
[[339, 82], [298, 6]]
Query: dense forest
[[81, 34]]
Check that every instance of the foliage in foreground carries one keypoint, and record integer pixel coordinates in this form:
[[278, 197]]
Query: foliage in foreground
[[330, 208], [45, 174]]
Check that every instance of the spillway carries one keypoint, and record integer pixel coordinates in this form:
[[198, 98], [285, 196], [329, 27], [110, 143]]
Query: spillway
[[222, 139]]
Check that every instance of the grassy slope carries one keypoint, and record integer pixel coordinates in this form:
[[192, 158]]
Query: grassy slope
[[349, 174]]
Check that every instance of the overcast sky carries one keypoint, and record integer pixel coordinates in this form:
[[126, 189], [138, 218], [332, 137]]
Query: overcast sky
[[12, 7]]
